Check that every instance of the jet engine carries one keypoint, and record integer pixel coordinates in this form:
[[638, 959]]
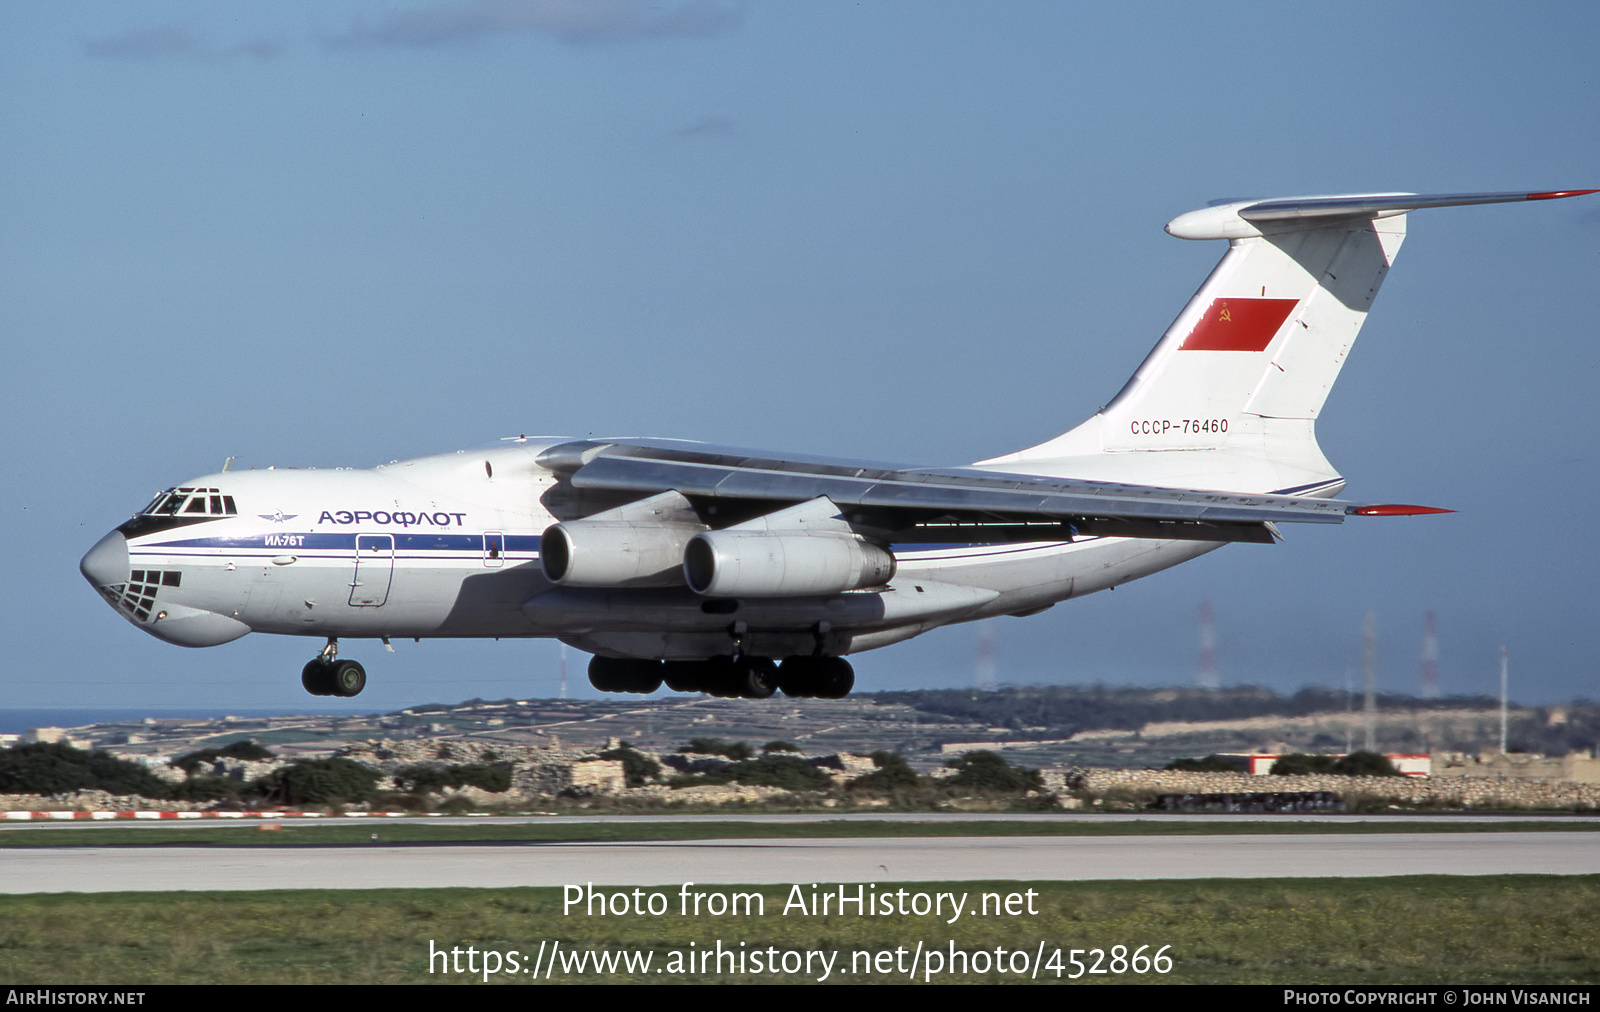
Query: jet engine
[[757, 564], [638, 545], [797, 552]]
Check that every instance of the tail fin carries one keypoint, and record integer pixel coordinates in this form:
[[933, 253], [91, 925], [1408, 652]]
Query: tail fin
[[1249, 362]]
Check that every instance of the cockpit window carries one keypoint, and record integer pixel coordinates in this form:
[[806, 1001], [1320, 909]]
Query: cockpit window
[[179, 507], [209, 501]]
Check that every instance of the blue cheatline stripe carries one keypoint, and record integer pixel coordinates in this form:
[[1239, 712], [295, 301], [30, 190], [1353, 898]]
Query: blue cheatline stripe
[[274, 541], [402, 542], [414, 561]]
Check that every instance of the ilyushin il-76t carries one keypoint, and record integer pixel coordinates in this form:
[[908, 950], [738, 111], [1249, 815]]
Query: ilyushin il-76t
[[741, 573]]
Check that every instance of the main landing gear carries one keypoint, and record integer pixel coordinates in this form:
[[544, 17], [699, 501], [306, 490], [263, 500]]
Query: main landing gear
[[325, 675], [734, 677]]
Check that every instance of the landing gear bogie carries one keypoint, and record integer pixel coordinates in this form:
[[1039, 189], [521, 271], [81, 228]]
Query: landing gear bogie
[[348, 678], [326, 675], [744, 677], [624, 674], [816, 677]]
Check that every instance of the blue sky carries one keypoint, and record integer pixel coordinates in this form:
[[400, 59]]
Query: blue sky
[[342, 233]]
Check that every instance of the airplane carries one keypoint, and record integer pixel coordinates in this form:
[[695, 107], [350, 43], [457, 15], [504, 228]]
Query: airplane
[[742, 573]]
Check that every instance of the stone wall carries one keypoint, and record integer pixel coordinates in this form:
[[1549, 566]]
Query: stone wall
[[1465, 792], [93, 801]]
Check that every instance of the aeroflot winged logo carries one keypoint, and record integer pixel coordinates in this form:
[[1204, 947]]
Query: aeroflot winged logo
[[278, 516]]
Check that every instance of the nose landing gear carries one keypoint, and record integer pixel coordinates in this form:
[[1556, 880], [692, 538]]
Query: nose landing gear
[[325, 675]]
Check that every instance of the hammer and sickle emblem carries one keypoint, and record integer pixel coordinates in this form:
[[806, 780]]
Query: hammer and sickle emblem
[[1224, 315]]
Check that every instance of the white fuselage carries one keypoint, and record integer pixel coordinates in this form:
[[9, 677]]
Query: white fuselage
[[448, 546]]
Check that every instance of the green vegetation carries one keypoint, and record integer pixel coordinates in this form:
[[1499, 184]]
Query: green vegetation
[[321, 782], [55, 767], [893, 774], [780, 746], [1352, 932], [1356, 764], [425, 778], [638, 768], [246, 750], [983, 770], [1210, 764], [782, 771], [737, 751]]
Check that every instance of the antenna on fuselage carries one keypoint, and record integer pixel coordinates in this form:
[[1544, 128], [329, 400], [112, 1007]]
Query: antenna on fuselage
[[227, 465]]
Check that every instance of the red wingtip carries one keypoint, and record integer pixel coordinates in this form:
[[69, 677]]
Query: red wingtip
[[1396, 510], [1555, 194]]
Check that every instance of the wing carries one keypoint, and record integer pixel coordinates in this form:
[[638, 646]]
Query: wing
[[941, 505]]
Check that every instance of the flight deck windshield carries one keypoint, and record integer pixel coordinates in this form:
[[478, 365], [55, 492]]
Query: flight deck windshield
[[179, 507]]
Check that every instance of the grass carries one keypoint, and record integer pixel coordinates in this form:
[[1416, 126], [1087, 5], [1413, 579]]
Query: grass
[[1416, 930], [406, 831]]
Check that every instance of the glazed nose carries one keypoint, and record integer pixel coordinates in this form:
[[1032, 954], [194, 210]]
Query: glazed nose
[[106, 565]]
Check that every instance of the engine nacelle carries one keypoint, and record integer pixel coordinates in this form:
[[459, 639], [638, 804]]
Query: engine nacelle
[[746, 563], [638, 545]]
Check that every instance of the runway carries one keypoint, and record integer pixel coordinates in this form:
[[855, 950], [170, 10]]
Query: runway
[[1108, 818], [498, 866]]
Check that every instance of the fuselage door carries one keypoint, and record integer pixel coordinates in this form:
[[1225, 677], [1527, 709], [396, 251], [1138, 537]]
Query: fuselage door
[[494, 549], [374, 570]]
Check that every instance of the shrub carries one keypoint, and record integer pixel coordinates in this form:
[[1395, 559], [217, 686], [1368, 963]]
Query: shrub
[[1300, 763], [782, 771], [737, 751], [457, 805], [209, 789], [637, 767], [321, 781], [424, 778], [1210, 764], [1366, 764], [780, 746], [892, 774], [246, 750], [1356, 764], [988, 771], [54, 767]]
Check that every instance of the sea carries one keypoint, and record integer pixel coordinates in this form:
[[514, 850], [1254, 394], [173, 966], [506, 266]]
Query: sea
[[19, 720]]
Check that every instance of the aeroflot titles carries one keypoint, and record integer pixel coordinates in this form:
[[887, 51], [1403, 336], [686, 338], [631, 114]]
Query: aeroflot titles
[[404, 519]]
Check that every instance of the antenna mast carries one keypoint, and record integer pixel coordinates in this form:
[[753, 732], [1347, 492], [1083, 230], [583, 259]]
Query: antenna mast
[[1369, 705], [1206, 676], [1430, 658]]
